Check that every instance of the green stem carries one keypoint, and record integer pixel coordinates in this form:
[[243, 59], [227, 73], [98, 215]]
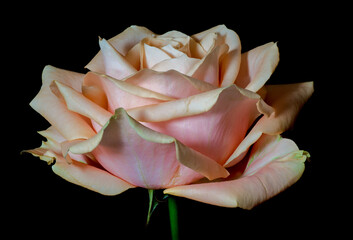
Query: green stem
[[173, 217], [150, 194]]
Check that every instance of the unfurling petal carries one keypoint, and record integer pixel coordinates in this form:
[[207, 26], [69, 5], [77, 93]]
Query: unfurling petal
[[273, 165], [257, 65], [146, 158], [230, 63], [114, 63], [69, 124], [286, 101], [123, 42], [208, 68]]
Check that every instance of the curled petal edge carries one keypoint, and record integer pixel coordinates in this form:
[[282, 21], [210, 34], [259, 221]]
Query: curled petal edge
[[186, 156], [248, 190]]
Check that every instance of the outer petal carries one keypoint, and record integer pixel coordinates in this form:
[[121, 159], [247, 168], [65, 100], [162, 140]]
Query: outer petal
[[122, 43], [90, 177], [280, 168], [286, 100], [146, 158], [226, 113], [69, 124], [257, 65]]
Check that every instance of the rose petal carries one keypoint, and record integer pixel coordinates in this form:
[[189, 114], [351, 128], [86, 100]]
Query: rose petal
[[96, 95], [144, 157], [208, 68], [224, 35], [230, 63], [123, 42], [123, 94], [286, 100], [280, 168], [76, 102], [171, 83], [152, 55], [90, 177], [182, 64], [114, 63], [226, 113], [257, 65], [172, 51], [69, 124]]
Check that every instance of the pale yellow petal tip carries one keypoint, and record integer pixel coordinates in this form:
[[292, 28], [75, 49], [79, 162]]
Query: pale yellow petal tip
[[300, 155], [38, 153]]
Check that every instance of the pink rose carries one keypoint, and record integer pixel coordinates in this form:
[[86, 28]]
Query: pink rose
[[191, 115]]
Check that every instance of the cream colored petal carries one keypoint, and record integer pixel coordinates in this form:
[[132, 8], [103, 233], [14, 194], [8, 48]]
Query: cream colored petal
[[286, 100], [121, 93], [208, 68], [152, 55], [123, 42], [224, 35], [230, 63], [182, 64], [172, 51], [41, 152], [114, 63], [257, 66], [144, 157], [70, 125], [76, 102], [281, 167]]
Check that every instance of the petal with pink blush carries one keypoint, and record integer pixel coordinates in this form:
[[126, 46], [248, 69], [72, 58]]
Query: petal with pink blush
[[286, 101], [170, 83], [70, 125], [90, 177], [257, 65], [279, 166], [114, 63], [123, 94], [226, 113], [123, 42], [146, 158]]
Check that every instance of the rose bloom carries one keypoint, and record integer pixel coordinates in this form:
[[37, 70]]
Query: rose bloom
[[188, 114]]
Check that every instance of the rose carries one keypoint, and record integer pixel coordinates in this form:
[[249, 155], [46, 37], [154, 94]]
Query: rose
[[190, 115]]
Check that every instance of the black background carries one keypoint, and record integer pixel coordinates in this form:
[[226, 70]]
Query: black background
[[42, 204]]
